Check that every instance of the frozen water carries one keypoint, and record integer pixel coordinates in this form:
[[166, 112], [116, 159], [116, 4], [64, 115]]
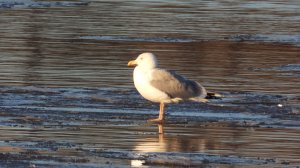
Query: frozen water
[[274, 38], [38, 4], [138, 39]]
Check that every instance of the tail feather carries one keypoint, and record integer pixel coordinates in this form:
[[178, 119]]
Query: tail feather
[[208, 95], [212, 95]]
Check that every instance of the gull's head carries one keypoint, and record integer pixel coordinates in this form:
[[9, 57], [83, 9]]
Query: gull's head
[[145, 60]]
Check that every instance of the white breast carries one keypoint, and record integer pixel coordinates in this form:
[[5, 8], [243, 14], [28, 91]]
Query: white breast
[[142, 83]]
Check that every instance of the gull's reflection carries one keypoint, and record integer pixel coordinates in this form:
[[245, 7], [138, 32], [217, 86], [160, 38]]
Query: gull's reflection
[[192, 139], [154, 144], [160, 129]]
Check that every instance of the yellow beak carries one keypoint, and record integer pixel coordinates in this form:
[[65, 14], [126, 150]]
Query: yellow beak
[[132, 63]]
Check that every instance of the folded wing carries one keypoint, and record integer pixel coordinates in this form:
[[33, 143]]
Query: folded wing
[[175, 85]]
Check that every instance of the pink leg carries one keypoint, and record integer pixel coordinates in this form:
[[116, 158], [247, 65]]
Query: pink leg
[[161, 116]]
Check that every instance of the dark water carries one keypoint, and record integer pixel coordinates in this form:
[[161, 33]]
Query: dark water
[[228, 46]]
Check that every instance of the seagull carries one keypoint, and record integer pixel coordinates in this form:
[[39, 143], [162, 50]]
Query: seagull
[[163, 86]]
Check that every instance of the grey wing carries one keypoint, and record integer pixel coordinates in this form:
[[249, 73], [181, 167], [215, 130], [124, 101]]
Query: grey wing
[[175, 85]]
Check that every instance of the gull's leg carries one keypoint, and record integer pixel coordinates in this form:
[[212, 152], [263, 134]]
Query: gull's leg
[[161, 111], [161, 116]]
